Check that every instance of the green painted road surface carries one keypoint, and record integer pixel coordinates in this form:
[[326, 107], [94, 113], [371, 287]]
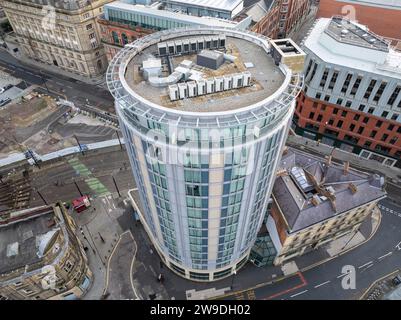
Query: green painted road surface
[[94, 184], [97, 187]]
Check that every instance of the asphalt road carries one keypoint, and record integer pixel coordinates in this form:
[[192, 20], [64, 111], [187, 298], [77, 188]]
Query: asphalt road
[[56, 183], [119, 282], [378, 257], [59, 85]]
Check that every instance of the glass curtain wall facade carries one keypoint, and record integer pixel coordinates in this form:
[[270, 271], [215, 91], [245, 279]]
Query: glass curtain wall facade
[[204, 178]]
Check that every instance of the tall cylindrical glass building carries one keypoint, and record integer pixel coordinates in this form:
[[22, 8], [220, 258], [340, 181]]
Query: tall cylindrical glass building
[[205, 113]]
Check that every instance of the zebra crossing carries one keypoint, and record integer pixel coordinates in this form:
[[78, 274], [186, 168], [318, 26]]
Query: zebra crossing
[[388, 210], [248, 295]]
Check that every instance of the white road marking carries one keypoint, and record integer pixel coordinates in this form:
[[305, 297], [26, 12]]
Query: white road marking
[[385, 256], [342, 275], [299, 293], [388, 210], [322, 284], [398, 246], [366, 264], [367, 268], [153, 271]]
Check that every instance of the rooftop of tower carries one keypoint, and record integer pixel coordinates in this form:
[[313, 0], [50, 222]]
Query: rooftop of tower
[[346, 43], [235, 57]]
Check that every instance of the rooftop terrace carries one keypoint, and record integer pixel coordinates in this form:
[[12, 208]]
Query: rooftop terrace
[[266, 78]]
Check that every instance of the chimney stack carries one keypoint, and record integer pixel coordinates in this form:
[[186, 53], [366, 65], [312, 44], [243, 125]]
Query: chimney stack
[[353, 188], [346, 168], [329, 159]]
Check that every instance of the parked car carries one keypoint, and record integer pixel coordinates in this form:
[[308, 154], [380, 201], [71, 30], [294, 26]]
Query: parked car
[[9, 86], [2, 90], [397, 281], [3, 102]]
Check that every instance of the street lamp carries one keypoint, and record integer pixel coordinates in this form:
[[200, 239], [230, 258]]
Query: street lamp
[[44, 81]]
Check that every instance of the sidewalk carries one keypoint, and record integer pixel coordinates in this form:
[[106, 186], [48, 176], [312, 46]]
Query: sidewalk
[[100, 234], [99, 81], [341, 245], [382, 287]]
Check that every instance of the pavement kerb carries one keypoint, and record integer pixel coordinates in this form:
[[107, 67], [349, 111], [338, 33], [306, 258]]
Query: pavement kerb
[[108, 264], [132, 266], [376, 282], [55, 72], [304, 269]]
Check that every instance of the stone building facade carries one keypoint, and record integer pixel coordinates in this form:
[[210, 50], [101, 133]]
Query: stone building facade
[[316, 201], [60, 33], [40, 256]]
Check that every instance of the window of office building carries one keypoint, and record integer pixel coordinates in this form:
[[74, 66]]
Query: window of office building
[[356, 85], [115, 37], [380, 91], [308, 69], [199, 276], [124, 38], [313, 73], [394, 95], [333, 80], [221, 274], [370, 88], [346, 83], [324, 78]]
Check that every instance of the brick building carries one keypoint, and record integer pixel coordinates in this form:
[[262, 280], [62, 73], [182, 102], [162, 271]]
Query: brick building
[[115, 35], [352, 94], [123, 22], [381, 16], [281, 18]]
